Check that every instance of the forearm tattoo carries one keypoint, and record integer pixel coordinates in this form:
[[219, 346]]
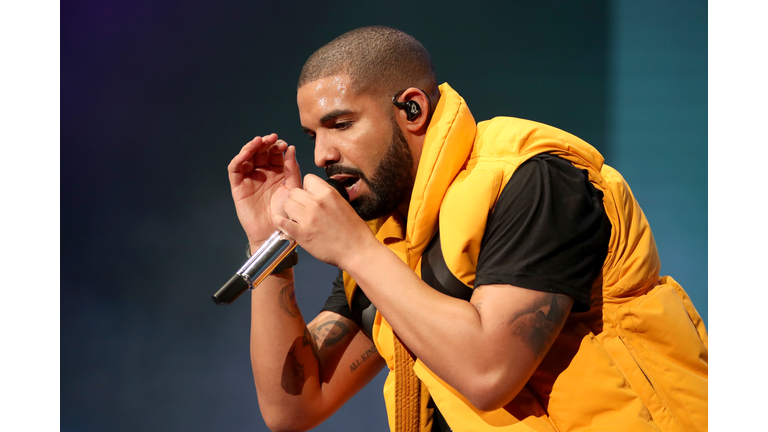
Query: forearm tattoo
[[287, 300], [293, 374], [538, 323], [308, 340]]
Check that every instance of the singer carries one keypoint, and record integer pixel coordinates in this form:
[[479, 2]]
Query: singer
[[503, 273]]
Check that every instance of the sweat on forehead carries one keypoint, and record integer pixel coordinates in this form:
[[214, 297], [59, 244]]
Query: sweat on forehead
[[378, 60]]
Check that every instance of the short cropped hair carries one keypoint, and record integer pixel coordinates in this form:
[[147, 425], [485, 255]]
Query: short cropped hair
[[380, 61]]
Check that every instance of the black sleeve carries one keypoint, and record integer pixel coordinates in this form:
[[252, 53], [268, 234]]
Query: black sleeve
[[548, 231], [337, 301]]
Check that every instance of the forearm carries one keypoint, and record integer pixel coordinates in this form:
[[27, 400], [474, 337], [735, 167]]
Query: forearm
[[283, 358], [304, 373]]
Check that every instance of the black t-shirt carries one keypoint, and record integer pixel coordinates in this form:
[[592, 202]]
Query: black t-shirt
[[548, 232]]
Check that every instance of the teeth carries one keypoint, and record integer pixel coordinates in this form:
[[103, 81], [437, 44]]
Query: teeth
[[351, 185]]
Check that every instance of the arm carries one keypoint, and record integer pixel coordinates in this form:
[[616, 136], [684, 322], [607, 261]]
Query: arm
[[486, 352], [486, 356], [302, 374], [487, 349]]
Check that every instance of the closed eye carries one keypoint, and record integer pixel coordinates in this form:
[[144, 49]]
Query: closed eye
[[342, 125]]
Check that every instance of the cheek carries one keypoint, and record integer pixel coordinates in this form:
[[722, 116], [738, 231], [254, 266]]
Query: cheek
[[373, 143]]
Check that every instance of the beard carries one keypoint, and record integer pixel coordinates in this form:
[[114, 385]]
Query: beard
[[391, 183]]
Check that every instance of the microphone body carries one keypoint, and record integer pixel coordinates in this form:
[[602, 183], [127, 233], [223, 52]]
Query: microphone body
[[258, 267], [263, 261]]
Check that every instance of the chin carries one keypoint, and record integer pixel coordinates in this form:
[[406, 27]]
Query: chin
[[368, 210]]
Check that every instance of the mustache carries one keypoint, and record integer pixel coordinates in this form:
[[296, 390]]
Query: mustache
[[335, 169]]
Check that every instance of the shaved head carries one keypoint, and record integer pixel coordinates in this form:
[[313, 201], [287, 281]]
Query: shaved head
[[380, 61]]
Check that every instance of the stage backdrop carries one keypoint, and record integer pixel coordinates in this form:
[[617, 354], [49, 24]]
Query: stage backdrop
[[158, 96]]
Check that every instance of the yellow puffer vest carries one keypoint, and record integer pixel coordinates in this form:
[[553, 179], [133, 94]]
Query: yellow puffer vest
[[637, 361]]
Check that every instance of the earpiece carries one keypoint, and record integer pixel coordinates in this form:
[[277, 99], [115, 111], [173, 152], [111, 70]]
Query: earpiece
[[412, 108]]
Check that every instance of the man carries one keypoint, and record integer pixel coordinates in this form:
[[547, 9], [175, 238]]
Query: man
[[505, 275]]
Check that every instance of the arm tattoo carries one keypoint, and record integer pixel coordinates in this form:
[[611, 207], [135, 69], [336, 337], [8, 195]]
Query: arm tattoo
[[293, 374], [330, 333], [287, 298], [538, 323], [308, 340], [330, 341], [365, 356]]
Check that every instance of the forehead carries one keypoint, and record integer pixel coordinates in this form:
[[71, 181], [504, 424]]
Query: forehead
[[333, 90], [317, 98]]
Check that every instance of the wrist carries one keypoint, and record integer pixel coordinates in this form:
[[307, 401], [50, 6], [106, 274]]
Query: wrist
[[362, 255], [285, 264]]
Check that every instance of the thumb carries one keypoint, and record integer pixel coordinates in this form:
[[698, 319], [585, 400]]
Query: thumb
[[291, 167], [285, 225]]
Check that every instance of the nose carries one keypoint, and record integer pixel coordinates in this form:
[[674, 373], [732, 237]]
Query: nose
[[326, 152]]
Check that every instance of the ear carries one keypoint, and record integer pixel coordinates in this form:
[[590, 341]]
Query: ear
[[417, 125]]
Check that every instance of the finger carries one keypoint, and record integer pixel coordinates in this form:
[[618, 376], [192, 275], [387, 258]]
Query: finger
[[292, 172], [258, 145], [298, 200], [287, 226], [261, 156], [270, 139], [276, 153], [316, 186], [242, 163], [283, 203], [246, 152]]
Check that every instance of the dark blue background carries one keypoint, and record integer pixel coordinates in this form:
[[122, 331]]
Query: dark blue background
[[158, 96]]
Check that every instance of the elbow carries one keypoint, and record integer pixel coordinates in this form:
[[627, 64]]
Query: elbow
[[282, 421], [283, 424], [486, 402], [487, 405], [491, 394], [277, 423]]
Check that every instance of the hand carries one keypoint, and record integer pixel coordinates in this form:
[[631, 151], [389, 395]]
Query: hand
[[254, 175], [321, 221]]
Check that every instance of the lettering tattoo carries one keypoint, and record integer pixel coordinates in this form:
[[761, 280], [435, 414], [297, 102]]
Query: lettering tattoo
[[477, 306], [287, 300], [538, 323], [293, 374], [365, 356]]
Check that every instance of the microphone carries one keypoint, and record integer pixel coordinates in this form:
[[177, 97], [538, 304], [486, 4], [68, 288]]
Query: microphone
[[263, 261]]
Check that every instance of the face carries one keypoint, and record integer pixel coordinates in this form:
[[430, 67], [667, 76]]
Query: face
[[358, 143]]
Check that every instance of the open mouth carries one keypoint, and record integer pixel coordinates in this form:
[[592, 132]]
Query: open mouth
[[350, 183]]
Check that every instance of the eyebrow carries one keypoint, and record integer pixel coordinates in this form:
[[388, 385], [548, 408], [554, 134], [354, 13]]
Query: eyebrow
[[332, 115]]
